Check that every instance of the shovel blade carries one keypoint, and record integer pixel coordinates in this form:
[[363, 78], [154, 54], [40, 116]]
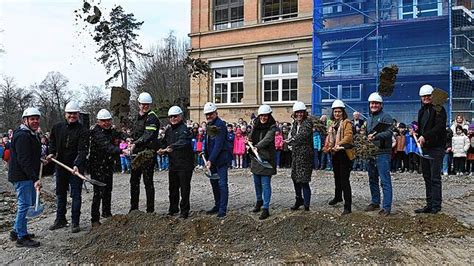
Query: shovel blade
[[95, 182], [426, 157], [263, 163], [35, 211]]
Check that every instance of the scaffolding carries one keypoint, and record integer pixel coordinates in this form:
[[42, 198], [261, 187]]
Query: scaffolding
[[354, 39]]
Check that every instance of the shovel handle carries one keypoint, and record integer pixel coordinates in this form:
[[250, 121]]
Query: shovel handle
[[417, 143], [37, 200], [81, 176], [254, 151], [205, 163]]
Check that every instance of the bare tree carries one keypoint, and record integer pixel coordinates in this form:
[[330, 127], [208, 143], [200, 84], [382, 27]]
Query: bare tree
[[94, 99], [164, 75], [54, 86], [11, 111]]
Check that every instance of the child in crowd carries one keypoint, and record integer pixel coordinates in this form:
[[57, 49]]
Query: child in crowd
[[123, 160], [411, 150], [230, 142], [470, 151], [400, 156], [278, 146], [199, 144], [460, 147], [239, 148], [316, 147], [162, 160]]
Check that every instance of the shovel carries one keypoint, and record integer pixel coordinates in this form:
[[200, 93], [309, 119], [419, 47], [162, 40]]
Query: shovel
[[259, 159], [37, 209], [208, 171], [421, 151], [92, 181]]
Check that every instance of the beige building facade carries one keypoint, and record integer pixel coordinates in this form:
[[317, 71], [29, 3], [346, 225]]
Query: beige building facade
[[259, 52]]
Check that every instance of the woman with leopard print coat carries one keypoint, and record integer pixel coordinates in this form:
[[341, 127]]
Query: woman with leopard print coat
[[301, 142]]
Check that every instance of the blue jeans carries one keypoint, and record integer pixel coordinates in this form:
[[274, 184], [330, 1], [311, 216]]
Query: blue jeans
[[278, 157], [25, 194], [315, 160], [162, 161], [263, 186], [220, 189], [326, 158], [446, 163], [380, 169], [125, 164]]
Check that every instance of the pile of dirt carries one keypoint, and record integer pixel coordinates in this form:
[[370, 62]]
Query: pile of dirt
[[287, 238]]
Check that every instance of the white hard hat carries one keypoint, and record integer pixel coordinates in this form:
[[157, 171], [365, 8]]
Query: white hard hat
[[264, 110], [31, 111], [103, 114], [299, 106], [426, 90], [209, 108], [72, 107], [175, 110], [145, 98], [375, 97], [338, 104]]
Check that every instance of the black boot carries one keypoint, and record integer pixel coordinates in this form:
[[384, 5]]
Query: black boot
[[298, 203], [27, 242], [347, 210], [258, 205], [14, 236], [334, 201], [58, 224], [265, 214]]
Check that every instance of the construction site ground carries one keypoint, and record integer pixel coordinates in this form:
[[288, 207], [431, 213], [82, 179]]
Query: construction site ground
[[321, 235]]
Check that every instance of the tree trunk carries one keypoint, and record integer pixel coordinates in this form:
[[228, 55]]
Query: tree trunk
[[124, 66]]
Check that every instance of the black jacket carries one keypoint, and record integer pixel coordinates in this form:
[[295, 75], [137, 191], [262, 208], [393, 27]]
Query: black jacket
[[434, 128], [145, 132], [103, 151], [70, 144], [179, 137], [263, 138], [25, 154]]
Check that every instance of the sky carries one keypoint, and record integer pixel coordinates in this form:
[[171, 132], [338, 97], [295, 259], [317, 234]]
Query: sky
[[40, 36]]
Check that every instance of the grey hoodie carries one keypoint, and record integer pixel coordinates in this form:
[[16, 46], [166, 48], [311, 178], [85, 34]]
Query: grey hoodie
[[383, 139]]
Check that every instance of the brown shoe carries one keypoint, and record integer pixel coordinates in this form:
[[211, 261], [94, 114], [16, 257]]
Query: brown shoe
[[372, 207], [384, 213]]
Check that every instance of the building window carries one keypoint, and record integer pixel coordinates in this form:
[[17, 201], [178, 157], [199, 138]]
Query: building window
[[344, 92], [419, 8], [228, 85], [279, 9], [345, 66], [280, 82], [228, 14]]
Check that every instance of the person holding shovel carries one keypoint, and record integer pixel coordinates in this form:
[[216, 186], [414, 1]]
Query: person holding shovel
[[69, 144], [432, 138], [103, 152], [262, 139], [219, 156], [23, 173], [177, 143], [145, 135], [379, 132]]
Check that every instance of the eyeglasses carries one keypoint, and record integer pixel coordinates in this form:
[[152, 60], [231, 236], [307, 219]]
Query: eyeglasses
[[173, 116]]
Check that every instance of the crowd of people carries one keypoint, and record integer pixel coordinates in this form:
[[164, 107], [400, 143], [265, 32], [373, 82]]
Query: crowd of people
[[263, 145]]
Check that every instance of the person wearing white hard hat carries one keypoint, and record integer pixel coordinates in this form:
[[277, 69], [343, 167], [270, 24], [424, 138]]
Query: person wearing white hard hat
[[340, 144], [218, 157], [23, 173], [145, 137], [177, 143], [301, 141], [432, 137], [69, 144], [103, 152], [379, 132], [262, 137]]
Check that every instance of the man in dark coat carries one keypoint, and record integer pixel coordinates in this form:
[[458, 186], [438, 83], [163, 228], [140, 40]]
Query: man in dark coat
[[432, 138], [102, 158], [219, 156], [23, 173], [69, 143], [177, 143], [145, 135]]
